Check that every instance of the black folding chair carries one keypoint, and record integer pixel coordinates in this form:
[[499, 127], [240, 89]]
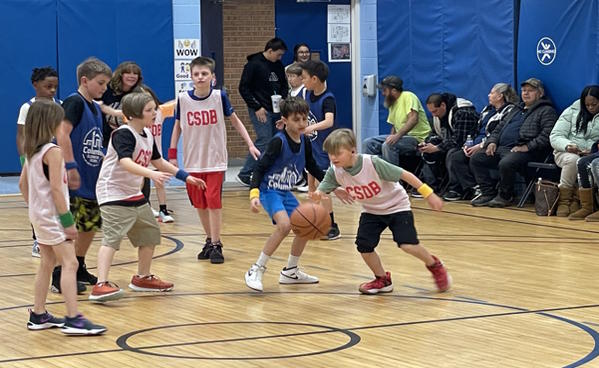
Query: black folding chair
[[547, 165]]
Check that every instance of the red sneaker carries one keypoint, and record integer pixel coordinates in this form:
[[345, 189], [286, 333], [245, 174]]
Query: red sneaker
[[149, 283], [105, 291], [442, 278], [378, 285]]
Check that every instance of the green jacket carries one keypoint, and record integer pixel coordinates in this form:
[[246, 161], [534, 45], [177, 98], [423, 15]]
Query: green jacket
[[564, 131]]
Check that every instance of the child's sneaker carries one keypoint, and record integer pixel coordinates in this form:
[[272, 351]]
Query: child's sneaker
[[216, 253], [294, 275], [155, 213], [333, 233], [165, 217], [378, 285], [43, 321], [85, 277], [55, 287], [79, 325], [105, 291], [35, 249], [253, 278], [205, 253], [442, 278], [149, 283]]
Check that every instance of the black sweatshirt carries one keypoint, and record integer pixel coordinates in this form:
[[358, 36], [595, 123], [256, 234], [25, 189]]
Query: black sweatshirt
[[260, 80]]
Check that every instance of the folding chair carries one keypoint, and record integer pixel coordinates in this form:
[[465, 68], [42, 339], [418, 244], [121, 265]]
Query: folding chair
[[547, 165]]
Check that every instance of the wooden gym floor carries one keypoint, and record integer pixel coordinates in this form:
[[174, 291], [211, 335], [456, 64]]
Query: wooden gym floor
[[524, 295]]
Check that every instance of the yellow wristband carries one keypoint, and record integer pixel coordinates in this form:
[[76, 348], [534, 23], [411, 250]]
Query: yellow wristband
[[425, 190], [254, 193]]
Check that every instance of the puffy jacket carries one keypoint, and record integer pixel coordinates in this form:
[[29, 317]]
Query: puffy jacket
[[564, 132]]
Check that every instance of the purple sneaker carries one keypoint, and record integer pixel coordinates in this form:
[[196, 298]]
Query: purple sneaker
[[43, 321], [79, 325]]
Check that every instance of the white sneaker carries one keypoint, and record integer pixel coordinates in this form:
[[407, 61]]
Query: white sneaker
[[296, 276], [253, 278], [155, 213], [165, 217], [302, 188], [35, 250]]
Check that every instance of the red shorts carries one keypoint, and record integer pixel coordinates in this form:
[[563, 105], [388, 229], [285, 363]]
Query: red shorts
[[210, 198]]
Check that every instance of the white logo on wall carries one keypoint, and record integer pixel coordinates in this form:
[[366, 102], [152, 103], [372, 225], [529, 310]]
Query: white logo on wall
[[546, 51]]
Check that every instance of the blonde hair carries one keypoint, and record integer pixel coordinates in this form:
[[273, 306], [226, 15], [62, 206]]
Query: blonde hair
[[42, 120], [133, 104], [338, 139]]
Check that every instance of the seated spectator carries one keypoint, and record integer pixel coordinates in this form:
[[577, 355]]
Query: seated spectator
[[512, 144], [587, 165], [409, 125], [462, 184], [573, 137], [453, 120]]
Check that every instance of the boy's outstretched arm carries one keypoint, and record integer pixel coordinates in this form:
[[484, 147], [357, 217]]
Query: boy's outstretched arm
[[255, 152], [165, 166], [434, 201]]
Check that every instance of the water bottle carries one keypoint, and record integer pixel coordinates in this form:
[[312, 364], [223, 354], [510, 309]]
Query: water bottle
[[469, 141]]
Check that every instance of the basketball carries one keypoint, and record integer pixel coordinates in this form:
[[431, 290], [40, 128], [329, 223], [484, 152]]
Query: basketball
[[310, 221]]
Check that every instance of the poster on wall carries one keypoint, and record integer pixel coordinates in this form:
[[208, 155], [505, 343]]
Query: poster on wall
[[339, 33], [339, 52], [185, 50]]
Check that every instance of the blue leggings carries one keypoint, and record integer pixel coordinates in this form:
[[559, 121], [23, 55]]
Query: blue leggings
[[588, 170]]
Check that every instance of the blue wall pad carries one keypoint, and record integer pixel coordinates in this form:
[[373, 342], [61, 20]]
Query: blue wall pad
[[558, 43], [459, 46]]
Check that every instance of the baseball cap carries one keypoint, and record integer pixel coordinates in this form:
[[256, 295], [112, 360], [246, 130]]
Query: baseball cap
[[391, 81], [533, 82]]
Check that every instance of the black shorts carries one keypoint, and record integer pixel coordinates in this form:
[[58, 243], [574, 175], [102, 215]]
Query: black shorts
[[371, 226]]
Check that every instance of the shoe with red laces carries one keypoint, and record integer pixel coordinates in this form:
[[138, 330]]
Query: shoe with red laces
[[442, 278], [105, 291], [149, 283], [378, 285]]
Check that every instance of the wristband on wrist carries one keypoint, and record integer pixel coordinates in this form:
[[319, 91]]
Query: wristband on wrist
[[254, 193], [66, 219], [22, 159], [425, 190], [182, 175], [71, 165], [172, 154]]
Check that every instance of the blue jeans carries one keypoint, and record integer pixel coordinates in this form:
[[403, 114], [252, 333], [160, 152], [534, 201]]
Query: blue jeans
[[405, 146], [264, 132]]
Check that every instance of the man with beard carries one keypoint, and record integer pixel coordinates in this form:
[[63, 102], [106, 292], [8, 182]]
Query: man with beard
[[409, 126]]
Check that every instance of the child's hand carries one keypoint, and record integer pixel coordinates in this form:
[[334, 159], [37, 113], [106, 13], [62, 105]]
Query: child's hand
[[255, 204], [308, 130], [316, 196], [435, 202], [254, 152], [196, 181], [343, 196], [71, 232], [160, 177], [279, 124], [173, 162], [73, 179]]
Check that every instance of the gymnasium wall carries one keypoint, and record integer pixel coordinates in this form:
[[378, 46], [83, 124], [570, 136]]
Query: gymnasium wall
[[62, 33]]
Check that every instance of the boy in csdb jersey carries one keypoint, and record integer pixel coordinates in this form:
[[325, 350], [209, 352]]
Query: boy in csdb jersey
[[200, 117]]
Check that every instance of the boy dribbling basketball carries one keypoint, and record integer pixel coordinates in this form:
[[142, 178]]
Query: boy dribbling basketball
[[375, 183], [279, 169]]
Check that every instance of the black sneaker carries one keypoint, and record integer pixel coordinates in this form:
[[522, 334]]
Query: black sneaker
[[55, 287], [453, 196], [216, 253], [43, 321], [416, 194], [205, 253], [85, 277], [482, 200], [500, 202], [333, 233], [243, 180], [79, 325]]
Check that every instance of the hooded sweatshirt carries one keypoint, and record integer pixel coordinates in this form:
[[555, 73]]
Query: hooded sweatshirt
[[261, 79]]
